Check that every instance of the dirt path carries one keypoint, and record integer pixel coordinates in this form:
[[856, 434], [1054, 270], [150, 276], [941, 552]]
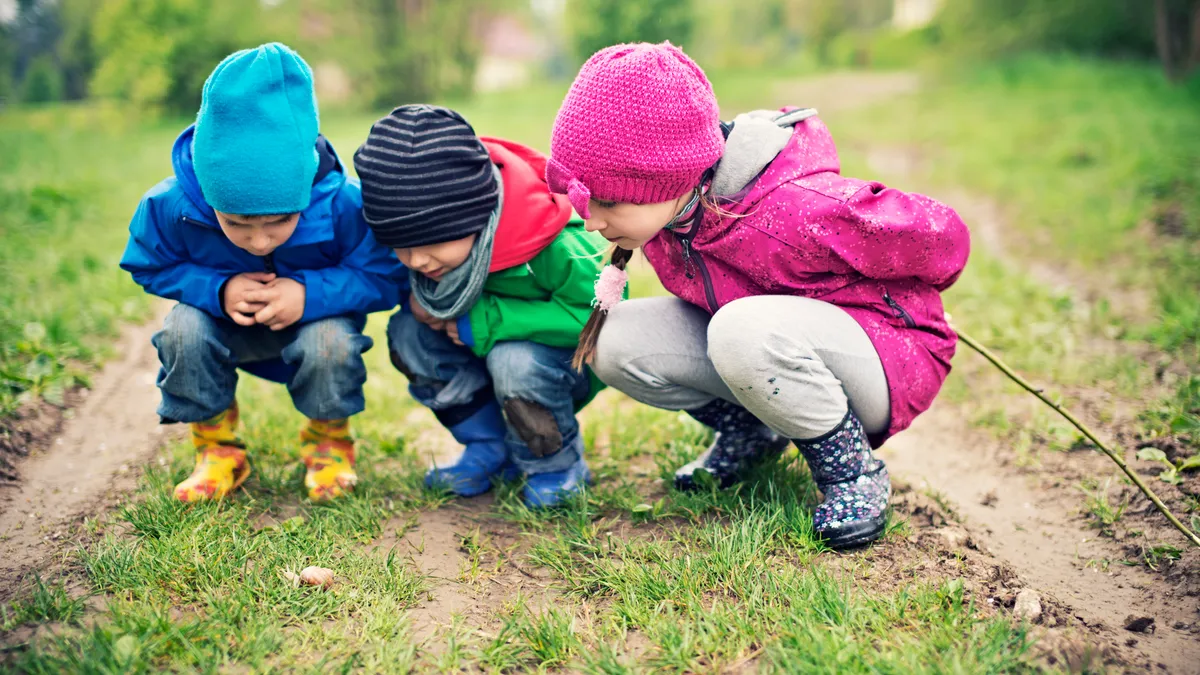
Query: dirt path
[[1036, 531], [89, 465]]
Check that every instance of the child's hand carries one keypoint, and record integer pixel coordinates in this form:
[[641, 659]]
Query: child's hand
[[452, 331], [234, 301], [424, 317], [284, 303]]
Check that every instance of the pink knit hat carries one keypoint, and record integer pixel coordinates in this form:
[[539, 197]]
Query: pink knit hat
[[639, 125]]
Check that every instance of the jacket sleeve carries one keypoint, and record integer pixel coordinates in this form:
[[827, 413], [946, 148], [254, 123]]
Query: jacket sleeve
[[566, 270], [889, 234], [159, 265], [368, 278]]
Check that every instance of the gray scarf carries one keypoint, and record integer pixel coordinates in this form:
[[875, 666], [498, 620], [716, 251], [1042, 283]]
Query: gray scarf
[[457, 291]]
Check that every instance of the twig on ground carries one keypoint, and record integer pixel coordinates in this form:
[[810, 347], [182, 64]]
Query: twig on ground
[[1083, 428]]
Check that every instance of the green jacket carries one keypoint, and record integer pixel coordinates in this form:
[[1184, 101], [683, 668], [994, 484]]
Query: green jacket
[[547, 300]]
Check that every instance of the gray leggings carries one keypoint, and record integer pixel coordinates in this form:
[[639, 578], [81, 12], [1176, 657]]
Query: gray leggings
[[795, 363]]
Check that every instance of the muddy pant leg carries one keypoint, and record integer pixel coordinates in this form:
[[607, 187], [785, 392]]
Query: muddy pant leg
[[538, 389], [798, 364], [198, 377], [656, 351], [448, 378], [328, 369]]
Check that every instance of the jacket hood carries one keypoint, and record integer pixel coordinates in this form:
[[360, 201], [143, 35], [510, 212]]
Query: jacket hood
[[530, 216]]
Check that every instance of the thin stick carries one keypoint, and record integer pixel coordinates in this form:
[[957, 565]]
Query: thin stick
[[1113, 455]]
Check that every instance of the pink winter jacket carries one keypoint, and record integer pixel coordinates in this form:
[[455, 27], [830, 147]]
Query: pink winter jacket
[[880, 254]]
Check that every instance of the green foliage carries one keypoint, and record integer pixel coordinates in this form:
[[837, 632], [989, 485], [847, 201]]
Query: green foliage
[[1115, 27], [43, 82], [424, 49], [596, 24], [156, 54]]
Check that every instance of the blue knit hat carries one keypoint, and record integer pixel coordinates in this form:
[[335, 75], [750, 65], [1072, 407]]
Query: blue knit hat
[[254, 147]]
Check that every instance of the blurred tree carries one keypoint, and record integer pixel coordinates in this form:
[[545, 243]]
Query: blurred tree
[[7, 59], [75, 51], [43, 82], [50, 41], [1106, 27], [425, 48], [1177, 33], [596, 24], [156, 54]]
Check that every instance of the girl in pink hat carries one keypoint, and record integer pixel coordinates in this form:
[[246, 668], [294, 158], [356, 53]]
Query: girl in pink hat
[[807, 305]]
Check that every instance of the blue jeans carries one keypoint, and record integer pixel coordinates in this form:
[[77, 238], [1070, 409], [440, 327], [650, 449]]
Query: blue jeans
[[522, 376], [200, 355]]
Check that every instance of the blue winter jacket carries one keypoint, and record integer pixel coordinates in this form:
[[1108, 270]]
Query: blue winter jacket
[[176, 249]]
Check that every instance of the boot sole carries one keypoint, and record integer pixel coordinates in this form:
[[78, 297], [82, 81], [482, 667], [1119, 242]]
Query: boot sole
[[855, 535]]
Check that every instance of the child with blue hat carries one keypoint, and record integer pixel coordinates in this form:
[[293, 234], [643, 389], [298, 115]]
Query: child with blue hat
[[259, 237]]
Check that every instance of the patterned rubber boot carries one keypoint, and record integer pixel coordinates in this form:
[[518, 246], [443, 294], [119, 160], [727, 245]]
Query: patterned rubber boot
[[741, 442], [855, 483], [328, 453], [221, 464]]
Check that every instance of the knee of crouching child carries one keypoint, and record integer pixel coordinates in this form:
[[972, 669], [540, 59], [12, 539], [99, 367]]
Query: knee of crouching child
[[184, 330], [333, 341], [535, 425]]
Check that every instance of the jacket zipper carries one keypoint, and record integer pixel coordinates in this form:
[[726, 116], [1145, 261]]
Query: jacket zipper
[[691, 255], [900, 313]]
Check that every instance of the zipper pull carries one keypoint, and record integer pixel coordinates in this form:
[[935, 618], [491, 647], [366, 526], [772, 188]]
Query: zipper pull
[[689, 269]]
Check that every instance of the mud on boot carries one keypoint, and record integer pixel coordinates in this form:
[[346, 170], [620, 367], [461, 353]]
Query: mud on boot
[[856, 485], [221, 464], [484, 456], [327, 450], [742, 441]]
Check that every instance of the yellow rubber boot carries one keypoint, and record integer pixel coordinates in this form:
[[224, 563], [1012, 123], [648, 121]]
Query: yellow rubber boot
[[328, 452], [221, 464]]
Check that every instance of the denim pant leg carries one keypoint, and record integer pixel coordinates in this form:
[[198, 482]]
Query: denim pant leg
[[525, 373], [198, 377], [447, 378], [329, 371]]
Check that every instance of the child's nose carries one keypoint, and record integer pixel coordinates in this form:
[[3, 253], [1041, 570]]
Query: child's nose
[[594, 225]]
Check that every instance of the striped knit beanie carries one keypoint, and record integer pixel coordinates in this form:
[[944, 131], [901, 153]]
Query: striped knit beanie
[[426, 178]]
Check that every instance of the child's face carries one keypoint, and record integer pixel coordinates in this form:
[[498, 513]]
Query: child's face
[[259, 235], [631, 225], [435, 260]]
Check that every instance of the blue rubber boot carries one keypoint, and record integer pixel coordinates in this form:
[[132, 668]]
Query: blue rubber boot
[[545, 490], [484, 457]]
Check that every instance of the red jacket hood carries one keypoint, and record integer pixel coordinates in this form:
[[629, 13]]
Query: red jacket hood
[[530, 217]]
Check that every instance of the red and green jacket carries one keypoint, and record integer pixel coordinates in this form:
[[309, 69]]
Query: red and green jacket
[[544, 264]]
